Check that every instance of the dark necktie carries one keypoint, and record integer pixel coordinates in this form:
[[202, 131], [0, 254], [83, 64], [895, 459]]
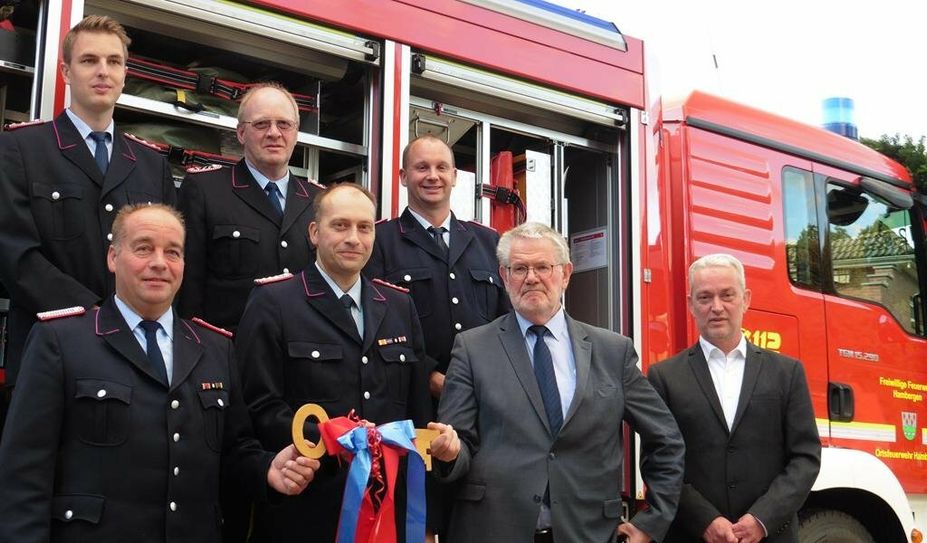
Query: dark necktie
[[348, 304], [154, 351], [547, 380], [437, 232], [100, 154], [273, 192]]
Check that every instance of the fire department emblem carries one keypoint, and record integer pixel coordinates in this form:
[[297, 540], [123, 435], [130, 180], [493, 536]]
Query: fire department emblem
[[909, 424]]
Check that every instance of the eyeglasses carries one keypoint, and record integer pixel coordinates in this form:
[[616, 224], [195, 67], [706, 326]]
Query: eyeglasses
[[283, 125], [542, 270]]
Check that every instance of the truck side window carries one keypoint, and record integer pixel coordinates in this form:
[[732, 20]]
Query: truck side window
[[802, 238], [872, 252]]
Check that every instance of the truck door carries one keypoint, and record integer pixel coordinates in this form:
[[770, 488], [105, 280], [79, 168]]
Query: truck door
[[874, 277]]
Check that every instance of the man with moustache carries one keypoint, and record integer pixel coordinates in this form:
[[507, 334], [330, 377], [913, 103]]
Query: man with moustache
[[126, 416], [331, 337], [249, 220], [62, 183]]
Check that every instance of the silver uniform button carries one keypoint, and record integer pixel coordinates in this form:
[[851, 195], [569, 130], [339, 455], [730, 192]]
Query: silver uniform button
[[452, 275], [366, 395], [173, 506], [109, 237], [283, 244], [68, 515], [490, 279], [236, 234], [56, 195], [454, 300], [315, 354], [176, 437], [101, 393], [407, 277], [364, 359], [176, 471], [286, 270], [220, 402], [175, 404], [402, 357], [458, 326], [108, 207]]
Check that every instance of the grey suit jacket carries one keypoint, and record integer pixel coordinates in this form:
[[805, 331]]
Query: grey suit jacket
[[764, 465], [508, 456]]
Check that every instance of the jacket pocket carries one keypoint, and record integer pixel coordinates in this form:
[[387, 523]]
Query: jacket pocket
[[612, 508], [316, 371], [74, 507], [59, 210], [397, 362], [102, 411], [236, 251], [214, 403], [487, 291], [420, 285], [471, 492]]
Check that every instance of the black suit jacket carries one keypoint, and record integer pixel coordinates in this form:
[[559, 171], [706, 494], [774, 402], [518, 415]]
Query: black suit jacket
[[765, 465], [235, 236], [56, 210], [298, 345], [451, 295], [97, 449]]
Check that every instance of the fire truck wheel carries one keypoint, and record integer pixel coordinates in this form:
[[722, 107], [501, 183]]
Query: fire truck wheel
[[832, 527]]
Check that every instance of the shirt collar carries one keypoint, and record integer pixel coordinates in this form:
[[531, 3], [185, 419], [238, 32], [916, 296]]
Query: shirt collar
[[426, 225], [708, 347], [354, 292], [263, 179], [84, 129], [133, 319], [556, 325]]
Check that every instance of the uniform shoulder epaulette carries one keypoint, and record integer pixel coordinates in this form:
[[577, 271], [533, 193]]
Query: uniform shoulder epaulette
[[390, 285], [213, 327], [60, 313], [17, 126], [316, 183], [202, 169], [487, 227], [273, 279], [383, 220], [151, 145]]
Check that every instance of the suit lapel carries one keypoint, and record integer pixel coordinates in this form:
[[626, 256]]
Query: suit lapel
[[699, 367], [374, 312], [75, 149], [110, 325], [298, 198], [245, 187], [412, 231], [582, 355], [121, 164], [187, 350], [514, 344], [752, 365], [460, 240], [320, 296]]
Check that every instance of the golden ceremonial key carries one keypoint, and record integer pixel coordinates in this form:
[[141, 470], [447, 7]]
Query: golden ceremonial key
[[423, 436]]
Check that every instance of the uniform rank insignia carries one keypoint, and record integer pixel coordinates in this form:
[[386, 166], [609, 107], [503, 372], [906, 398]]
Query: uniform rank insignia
[[273, 278], [390, 285], [15, 126], [391, 340], [59, 313], [201, 169], [213, 386], [151, 145], [212, 327]]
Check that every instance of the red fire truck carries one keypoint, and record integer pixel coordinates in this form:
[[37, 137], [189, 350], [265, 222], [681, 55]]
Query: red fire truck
[[554, 105]]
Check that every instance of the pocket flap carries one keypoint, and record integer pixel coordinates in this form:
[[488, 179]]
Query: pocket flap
[[101, 390], [486, 276], [321, 352], [611, 508], [56, 192], [471, 492], [221, 231], [398, 354], [215, 398], [71, 507], [409, 276]]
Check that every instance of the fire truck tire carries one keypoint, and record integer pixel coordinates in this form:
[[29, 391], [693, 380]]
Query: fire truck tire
[[832, 527]]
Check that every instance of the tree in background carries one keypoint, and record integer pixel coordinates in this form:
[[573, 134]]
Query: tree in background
[[911, 154]]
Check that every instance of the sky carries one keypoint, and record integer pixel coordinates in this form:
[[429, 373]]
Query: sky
[[787, 56]]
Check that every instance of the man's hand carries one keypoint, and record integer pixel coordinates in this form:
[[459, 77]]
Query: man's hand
[[632, 534], [748, 529], [446, 446], [290, 473], [436, 383], [720, 531]]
